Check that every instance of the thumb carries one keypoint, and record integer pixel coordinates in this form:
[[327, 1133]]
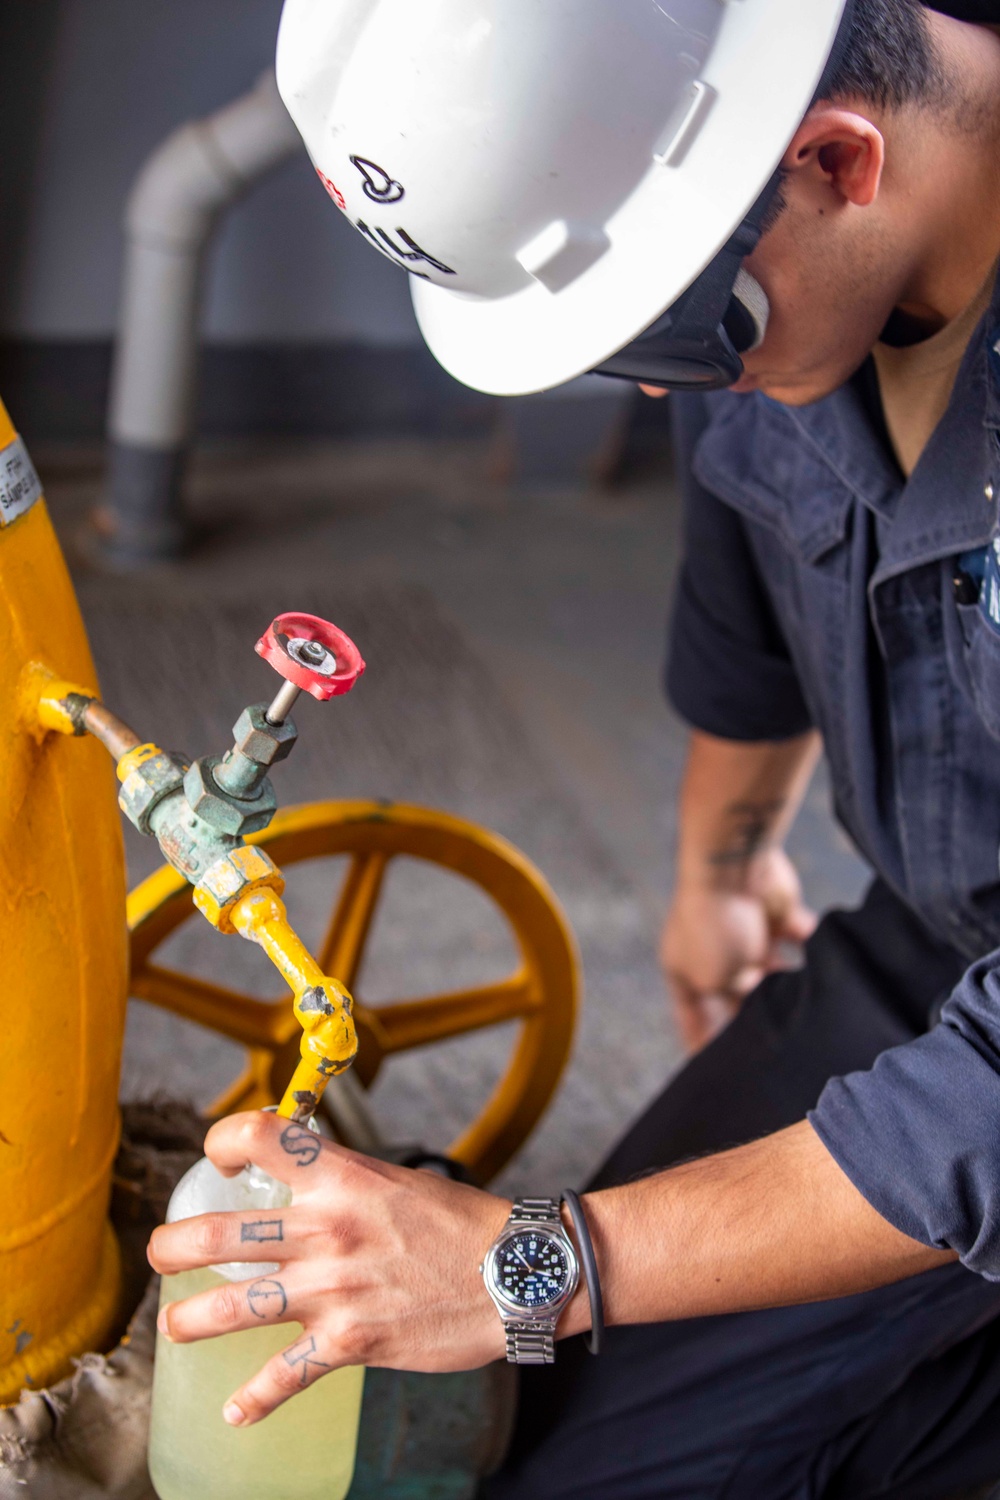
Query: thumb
[[743, 982], [799, 923]]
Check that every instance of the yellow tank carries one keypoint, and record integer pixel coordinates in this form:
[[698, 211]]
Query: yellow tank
[[64, 967]]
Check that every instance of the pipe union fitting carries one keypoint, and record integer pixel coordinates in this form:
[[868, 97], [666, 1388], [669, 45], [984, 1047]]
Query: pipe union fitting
[[222, 811], [231, 878], [148, 782]]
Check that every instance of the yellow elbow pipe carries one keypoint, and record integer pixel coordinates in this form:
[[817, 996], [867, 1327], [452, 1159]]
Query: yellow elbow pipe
[[322, 1006]]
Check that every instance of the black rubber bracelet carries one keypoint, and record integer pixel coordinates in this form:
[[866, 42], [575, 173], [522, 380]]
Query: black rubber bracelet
[[588, 1261]]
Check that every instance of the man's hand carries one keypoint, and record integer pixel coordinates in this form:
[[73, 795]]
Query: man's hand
[[379, 1264], [738, 898], [719, 942]]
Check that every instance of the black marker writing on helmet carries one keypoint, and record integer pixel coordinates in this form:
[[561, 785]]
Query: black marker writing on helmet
[[384, 241], [379, 186]]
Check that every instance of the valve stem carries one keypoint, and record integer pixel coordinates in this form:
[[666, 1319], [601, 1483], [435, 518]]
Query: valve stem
[[311, 654], [282, 704]]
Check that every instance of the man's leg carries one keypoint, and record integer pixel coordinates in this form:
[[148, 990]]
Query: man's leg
[[937, 1435], [753, 1405]]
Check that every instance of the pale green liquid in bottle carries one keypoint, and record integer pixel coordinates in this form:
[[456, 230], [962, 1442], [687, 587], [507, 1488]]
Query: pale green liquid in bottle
[[303, 1450]]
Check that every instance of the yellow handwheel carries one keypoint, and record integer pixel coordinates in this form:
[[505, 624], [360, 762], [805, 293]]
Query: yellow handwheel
[[541, 993]]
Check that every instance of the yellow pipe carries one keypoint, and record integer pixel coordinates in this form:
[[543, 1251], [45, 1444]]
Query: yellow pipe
[[62, 920], [44, 700], [322, 1006]]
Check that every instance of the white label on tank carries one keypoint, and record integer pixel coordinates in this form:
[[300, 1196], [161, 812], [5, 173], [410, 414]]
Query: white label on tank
[[20, 486]]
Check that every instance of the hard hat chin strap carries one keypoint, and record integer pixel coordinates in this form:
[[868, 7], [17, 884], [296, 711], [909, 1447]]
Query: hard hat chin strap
[[698, 342]]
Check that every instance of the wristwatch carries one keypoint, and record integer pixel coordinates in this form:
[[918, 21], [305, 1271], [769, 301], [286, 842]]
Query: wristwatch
[[531, 1272]]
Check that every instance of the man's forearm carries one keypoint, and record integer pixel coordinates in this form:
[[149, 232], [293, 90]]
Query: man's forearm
[[766, 1225], [380, 1262], [737, 800]]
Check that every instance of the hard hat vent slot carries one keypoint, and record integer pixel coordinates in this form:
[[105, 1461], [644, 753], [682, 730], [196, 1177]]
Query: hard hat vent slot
[[562, 252], [686, 122]]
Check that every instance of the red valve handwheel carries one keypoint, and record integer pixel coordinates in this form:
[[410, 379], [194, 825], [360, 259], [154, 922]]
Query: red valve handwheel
[[273, 646]]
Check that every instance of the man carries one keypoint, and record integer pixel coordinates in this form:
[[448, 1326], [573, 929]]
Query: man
[[813, 1310]]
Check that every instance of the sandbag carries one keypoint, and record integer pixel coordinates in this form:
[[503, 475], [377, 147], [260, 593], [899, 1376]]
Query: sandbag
[[85, 1438]]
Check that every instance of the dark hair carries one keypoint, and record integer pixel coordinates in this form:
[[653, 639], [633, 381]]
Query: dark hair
[[889, 58]]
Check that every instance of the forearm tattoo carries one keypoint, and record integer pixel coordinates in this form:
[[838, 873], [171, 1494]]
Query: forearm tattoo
[[301, 1143], [752, 827], [303, 1353], [262, 1230], [267, 1299]]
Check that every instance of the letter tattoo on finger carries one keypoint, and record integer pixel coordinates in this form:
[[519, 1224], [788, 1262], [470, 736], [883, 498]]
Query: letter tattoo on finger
[[262, 1231], [267, 1299], [300, 1143], [303, 1354]]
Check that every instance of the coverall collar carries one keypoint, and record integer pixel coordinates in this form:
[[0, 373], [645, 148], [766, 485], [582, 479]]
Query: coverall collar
[[949, 504]]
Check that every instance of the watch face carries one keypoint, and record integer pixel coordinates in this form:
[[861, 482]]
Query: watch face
[[531, 1269]]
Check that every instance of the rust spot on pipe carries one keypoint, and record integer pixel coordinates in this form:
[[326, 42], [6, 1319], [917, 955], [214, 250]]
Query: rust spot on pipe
[[306, 1105], [314, 1000]]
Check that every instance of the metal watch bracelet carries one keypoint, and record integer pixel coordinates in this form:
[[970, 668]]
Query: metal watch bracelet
[[531, 1343]]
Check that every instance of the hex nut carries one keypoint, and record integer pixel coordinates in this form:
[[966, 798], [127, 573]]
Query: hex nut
[[265, 744], [230, 878], [223, 812], [147, 784]]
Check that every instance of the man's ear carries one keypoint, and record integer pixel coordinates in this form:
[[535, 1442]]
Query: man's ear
[[840, 149]]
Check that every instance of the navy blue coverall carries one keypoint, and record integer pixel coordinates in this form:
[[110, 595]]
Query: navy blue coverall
[[821, 589]]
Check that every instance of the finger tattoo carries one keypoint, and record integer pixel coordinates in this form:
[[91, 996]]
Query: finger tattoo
[[267, 1299], [300, 1143], [303, 1353], [262, 1230]]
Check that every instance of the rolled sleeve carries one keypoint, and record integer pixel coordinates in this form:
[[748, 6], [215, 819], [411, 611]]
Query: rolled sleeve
[[919, 1135], [729, 671]]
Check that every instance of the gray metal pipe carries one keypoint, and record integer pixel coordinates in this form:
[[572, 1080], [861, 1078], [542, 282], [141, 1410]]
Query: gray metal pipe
[[175, 206]]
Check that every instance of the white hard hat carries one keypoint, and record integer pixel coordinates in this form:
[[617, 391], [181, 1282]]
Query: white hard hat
[[555, 173]]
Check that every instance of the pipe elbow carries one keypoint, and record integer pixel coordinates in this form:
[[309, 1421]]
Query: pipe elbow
[[205, 165], [179, 191]]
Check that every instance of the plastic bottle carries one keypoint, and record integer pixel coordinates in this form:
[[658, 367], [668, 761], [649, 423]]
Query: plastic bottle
[[306, 1448]]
